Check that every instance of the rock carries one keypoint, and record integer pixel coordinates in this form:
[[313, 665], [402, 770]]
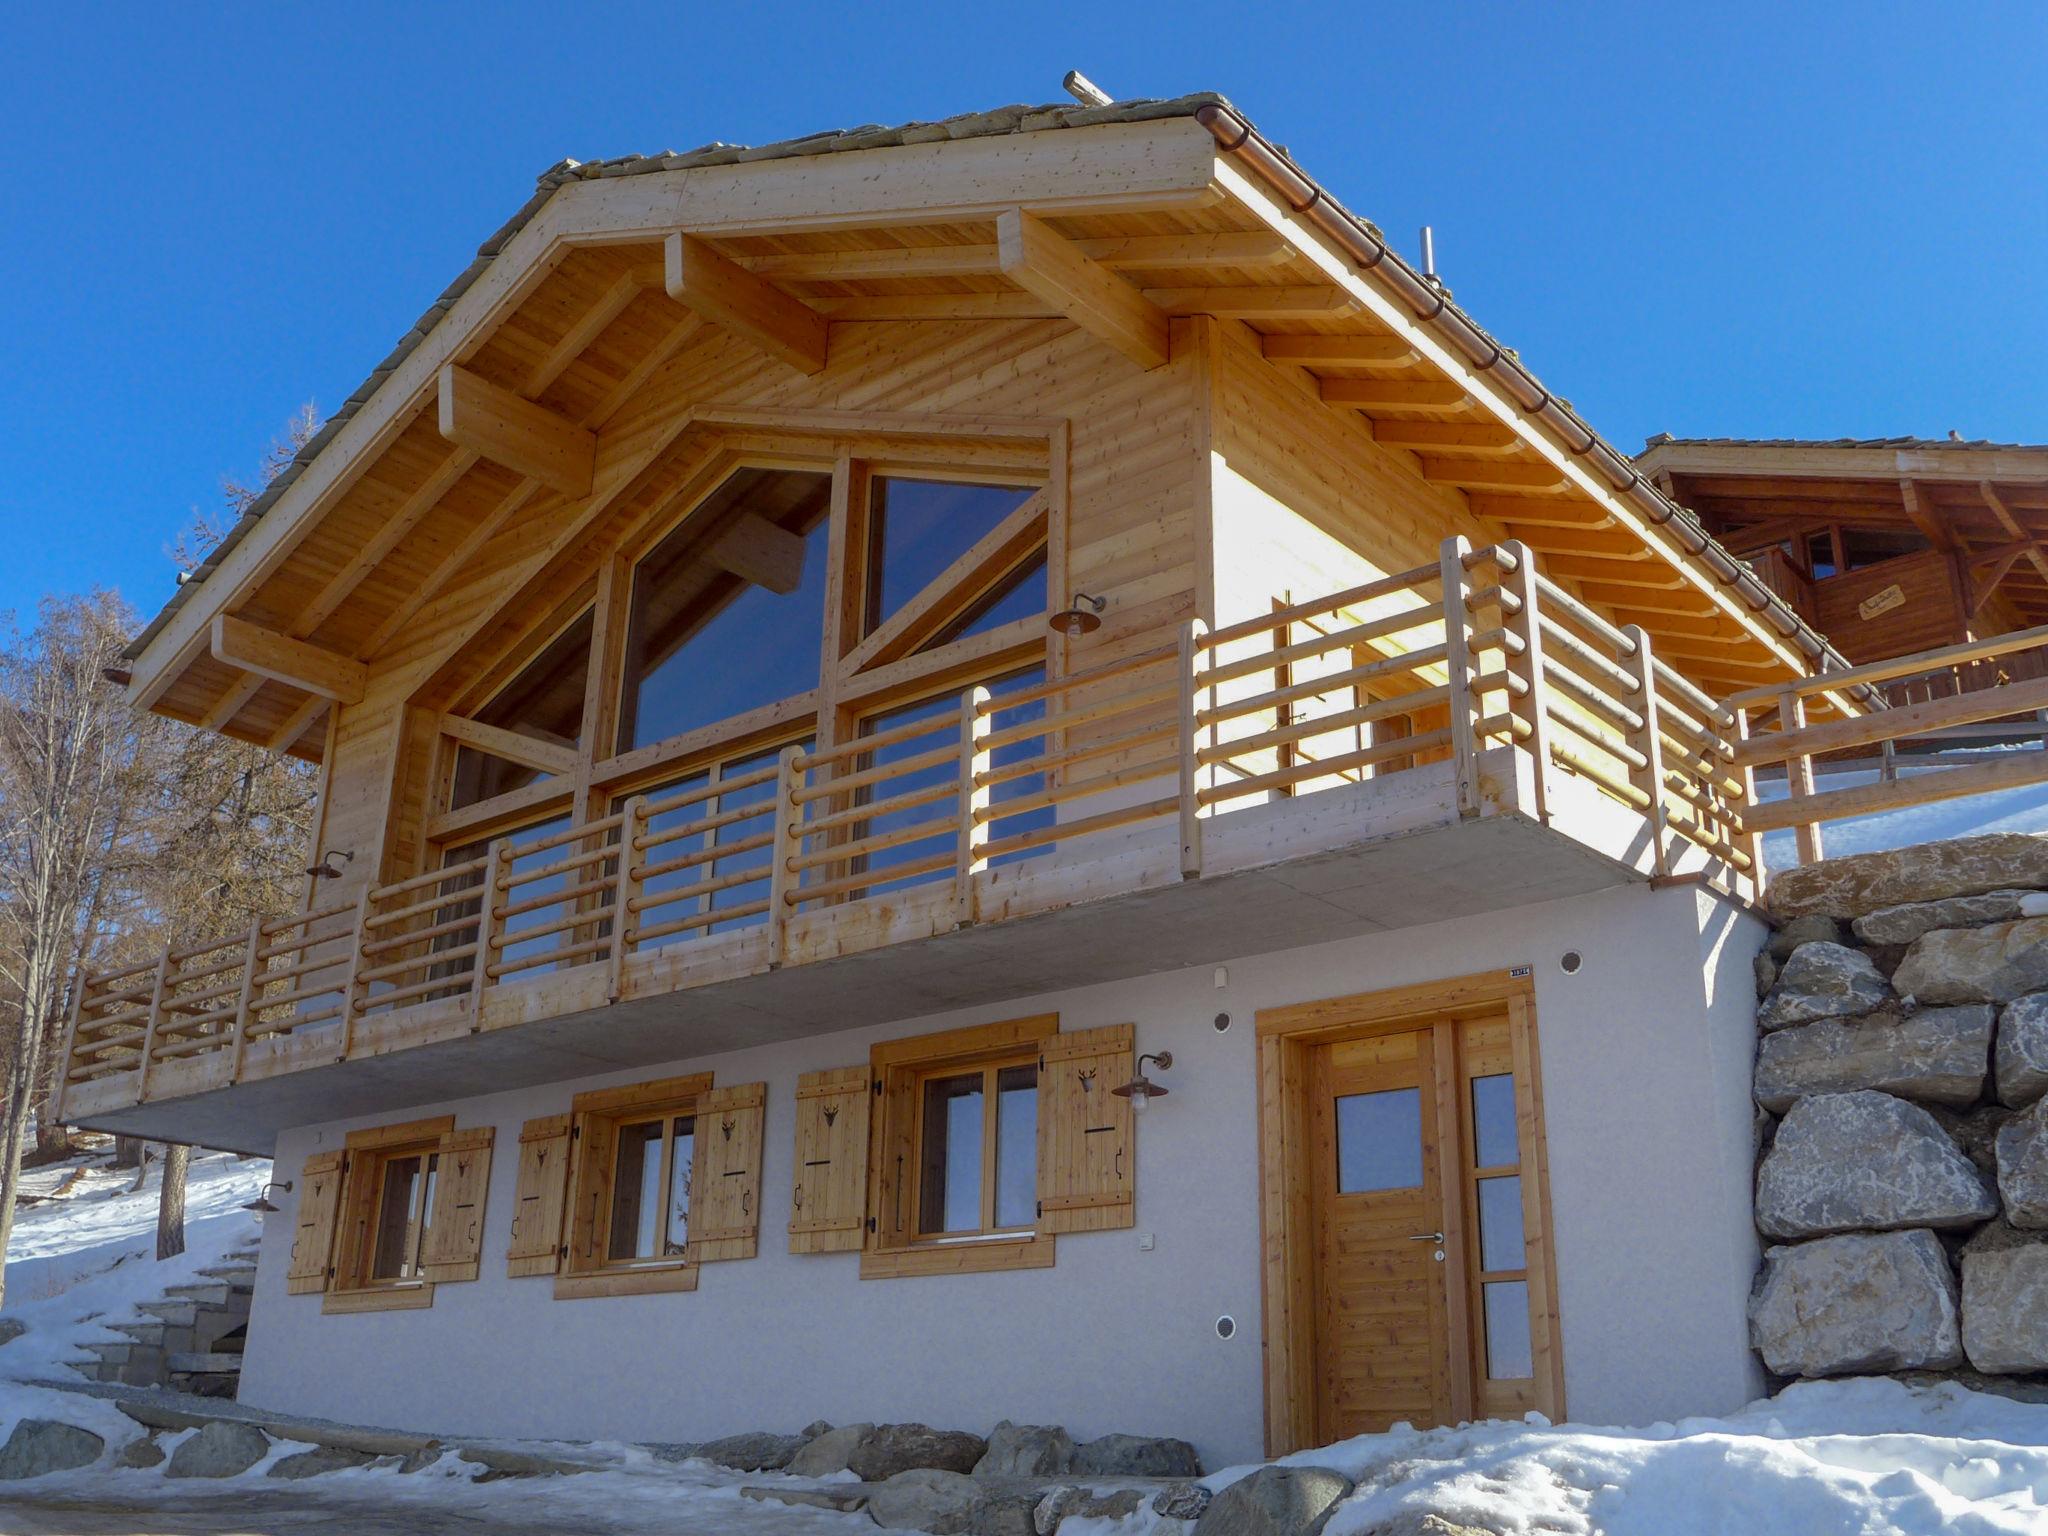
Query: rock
[[756, 1451], [827, 1453], [1865, 1301], [888, 1449], [11, 1328], [846, 1497], [1938, 1055], [220, 1448], [141, 1453], [1182, 1501], [1823, 981], [1977, 965], [40, 1446], [1068, 1502], [1051, 1509], [1026, 1450], [813, 1430], [1904, 924], [1275, 1501], [2005, 1308], [2023, 1166], [1845, 1162], [1863, 882], [1811, 929], [1766, 970], [1975, 1131], [1137, 1456], [2020, 1389], [1423, 1522], [320, 1459], [952, 1504], [499, 1461], [2022, 1058]]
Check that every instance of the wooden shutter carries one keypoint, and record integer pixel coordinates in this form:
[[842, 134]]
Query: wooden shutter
[[591, 1145], [1086, 1176], [539, 1197], [455, 1227], [829, 1206], [725, 1178], [313, 1238], [891, 1159]]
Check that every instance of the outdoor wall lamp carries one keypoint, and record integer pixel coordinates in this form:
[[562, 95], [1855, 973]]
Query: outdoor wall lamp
[[1141, 1088], [326, 869], [1083, 618], [261, 1204]]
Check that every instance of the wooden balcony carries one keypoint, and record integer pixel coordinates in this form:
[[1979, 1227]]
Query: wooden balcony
[[1458, 738]]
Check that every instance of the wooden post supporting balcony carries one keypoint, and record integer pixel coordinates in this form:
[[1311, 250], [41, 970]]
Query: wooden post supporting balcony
[[783, 851], [488, 917], [1195, 738], [353, 1001], [1750, 841], [1648, 740], [975, 796], [252, 960], [1799, 774], [1526, 626], [625, 891], [1457, 593]]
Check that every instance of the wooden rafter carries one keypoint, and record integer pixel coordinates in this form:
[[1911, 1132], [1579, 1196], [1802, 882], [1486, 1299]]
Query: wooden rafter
[[1340, 351], [1496, 474], [758, 551], [2036, 556], [1274, 303], [1392, 394], [518, 747], [727, 294], [496, 424], [269, 654], [1253, 249], [1466, 437], [1045, 263]]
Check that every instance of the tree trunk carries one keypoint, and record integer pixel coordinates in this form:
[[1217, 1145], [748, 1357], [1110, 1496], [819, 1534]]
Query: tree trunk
[[141, 1170], [127, 1152], [53, 1137], [170, 1210]]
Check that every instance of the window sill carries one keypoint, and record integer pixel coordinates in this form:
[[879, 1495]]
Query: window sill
[[1035, 1252], [379, 1298], [626, 1282]]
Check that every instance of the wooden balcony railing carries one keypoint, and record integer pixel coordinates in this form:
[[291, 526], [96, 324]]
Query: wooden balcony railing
[[943, 817]]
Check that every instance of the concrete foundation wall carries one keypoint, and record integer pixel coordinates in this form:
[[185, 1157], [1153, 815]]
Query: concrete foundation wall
[[1646, 1078]]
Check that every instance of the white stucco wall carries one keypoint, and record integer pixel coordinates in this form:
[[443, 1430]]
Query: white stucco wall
[[1645, 1058]]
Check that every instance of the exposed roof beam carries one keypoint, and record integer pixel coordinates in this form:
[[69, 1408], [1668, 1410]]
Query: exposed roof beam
[[269, 654], [1340, 351], [1037, 259], [549, 757], [2011, 524], [939, 306], [286, 736], [1253, 249], [727, 294], [1494, 474], [530, 439], [1539, 512], [756, 550], [1465, 436], [1650, 575], [1392, 394], [1253, 303], [1614, 544], [1938, 533]]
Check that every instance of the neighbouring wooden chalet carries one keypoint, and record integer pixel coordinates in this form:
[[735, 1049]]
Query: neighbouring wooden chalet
[[844, 671]]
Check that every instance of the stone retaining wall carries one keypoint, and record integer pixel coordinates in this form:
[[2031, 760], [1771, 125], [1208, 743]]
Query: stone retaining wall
[[1902, 1093]]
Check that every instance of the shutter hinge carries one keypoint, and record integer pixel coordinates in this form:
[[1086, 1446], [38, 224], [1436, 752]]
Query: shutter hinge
[[878, 1087], [871, 1223], [1041, 1208], [576, 1132]]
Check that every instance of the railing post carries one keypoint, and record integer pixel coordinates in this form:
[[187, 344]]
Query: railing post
[[1799, 774], [975, 798], [783, 852], [245, 1002], [156, 1012], [69, 1059], [1649, 741], [1457, 593], [352, 1000], [1532, 707], [1751, 843], [1195, 738], [487, 918], [625, 891]]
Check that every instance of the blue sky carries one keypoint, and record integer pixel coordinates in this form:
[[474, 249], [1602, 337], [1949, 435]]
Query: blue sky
[[1754, 220]]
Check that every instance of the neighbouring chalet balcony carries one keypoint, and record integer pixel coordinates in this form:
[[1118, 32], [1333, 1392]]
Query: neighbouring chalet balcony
[[1454, 739]]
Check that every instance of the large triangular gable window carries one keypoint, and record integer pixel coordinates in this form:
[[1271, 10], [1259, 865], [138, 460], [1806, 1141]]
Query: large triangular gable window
[[543, 705]]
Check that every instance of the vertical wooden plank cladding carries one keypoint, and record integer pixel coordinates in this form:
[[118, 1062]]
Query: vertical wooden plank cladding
[[590, 1185], [725, 1179], [313, 1237], [539, 1197], [1087, 1173], [828, 1205], [455, 1227]]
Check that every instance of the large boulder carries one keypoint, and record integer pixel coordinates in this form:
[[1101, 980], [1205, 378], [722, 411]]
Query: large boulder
[[1026, 1450], [925, 1499], [1863, 882], [2022, 1059], [221, 1448], [1865, 1161], [828, 1453], [317, 1462], [1182, 1501], [40, 1446], [888, 1449], [1937, 1056], [2023, 1167], [1137, 1456], [2005, 1302], [1864, 1301], [1904, 924], [1275, 1501], [755, 1451], [1823, 981], [1977, 965], [1068, 1502]]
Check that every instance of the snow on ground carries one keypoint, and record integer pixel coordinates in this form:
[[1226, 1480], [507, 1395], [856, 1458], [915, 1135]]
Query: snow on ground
[[2006, 810]]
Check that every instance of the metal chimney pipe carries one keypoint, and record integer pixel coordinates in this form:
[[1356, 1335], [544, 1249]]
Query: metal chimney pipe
[[1086, 91], [1429, 253]]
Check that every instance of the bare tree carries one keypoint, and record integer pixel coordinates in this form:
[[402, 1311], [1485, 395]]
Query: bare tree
[[170, 1209]]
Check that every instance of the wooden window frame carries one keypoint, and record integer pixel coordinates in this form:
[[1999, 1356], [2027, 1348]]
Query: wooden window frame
[[990, 1072], [1287, 1037], [899, 1070], [367, 1155], [595, 1118]]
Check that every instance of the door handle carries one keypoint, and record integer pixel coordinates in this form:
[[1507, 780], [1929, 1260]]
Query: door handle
[[1425, 1237]]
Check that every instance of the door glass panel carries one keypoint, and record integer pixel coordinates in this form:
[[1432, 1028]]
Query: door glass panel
[[1379, 1141], [681, 1154], [1016, 1146], [949, 1196], [1507, 1330], [636, 1192], [395, 1206], [1500, 1224], [1493, 1121]]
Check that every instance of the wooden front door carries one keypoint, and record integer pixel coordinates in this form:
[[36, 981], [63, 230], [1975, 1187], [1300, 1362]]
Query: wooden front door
[[1409, 1275]]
